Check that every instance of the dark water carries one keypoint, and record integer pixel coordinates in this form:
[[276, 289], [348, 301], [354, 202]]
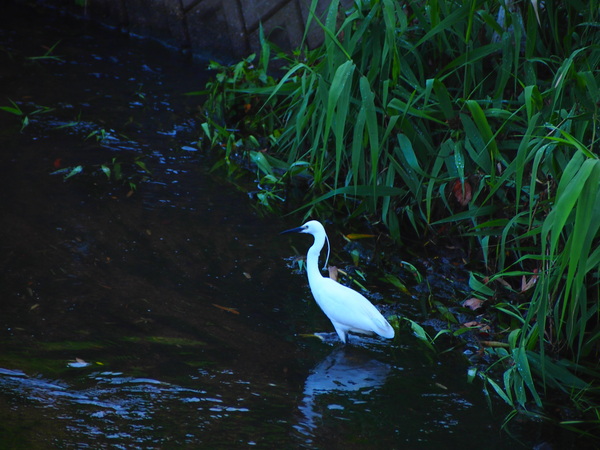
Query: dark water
[[173, 317]]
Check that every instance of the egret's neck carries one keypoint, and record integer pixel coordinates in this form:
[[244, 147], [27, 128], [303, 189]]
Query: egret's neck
[[312, 258]]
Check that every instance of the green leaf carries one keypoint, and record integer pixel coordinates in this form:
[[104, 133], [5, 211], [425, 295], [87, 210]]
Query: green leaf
[[478, 286], [484, 127], [74, 171], [420, 333], [106, 170]]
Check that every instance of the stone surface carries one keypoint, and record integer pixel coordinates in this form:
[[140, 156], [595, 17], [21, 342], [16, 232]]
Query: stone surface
[[220, 29]]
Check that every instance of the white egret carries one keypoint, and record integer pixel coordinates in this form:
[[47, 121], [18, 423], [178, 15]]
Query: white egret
[[348, 310]]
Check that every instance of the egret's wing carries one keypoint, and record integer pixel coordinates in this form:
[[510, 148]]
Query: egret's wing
[[350, 309]]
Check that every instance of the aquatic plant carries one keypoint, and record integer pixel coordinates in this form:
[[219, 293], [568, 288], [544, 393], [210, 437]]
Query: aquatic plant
[[16, 110]]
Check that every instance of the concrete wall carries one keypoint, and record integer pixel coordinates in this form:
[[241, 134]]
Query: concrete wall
[[221, 29]]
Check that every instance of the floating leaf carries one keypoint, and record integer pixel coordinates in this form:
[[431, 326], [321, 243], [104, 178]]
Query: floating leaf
[[225, 308], [78, 363]]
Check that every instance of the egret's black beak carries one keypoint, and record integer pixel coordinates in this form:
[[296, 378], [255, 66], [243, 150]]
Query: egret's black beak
[[293, 230]]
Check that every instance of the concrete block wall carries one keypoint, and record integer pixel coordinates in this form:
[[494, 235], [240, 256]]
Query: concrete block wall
[[220, 29]]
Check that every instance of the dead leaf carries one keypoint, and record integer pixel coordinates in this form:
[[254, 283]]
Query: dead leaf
[[503, 282], [353, 236], [481, 327], [462, 192], [225, 308], [495, 344], [528, 284], [473, 303], [247, 275], [78, 363], [333, 273]]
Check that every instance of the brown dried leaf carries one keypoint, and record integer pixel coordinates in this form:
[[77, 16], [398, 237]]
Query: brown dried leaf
[[528, 284], [495, 344], [462, 192], [354, 236], [503, 282], [333, 273], [481, 327], [473, 303], [225, 308]]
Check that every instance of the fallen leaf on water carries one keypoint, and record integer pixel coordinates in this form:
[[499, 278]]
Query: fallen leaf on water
[[314, 335], [441, 386], [34, 307], [247, 275], [473, 303], [225, 308], [78, 363]]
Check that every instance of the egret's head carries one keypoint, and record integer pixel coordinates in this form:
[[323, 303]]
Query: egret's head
[[313, 227]]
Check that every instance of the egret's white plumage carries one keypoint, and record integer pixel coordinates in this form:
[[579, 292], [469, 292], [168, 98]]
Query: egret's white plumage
[[347, 309]]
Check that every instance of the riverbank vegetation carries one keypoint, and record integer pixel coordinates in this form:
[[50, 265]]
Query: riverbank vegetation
[[476, 119]]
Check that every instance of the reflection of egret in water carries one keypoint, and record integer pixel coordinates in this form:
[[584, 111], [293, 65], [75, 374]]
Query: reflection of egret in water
[[346, 375]]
